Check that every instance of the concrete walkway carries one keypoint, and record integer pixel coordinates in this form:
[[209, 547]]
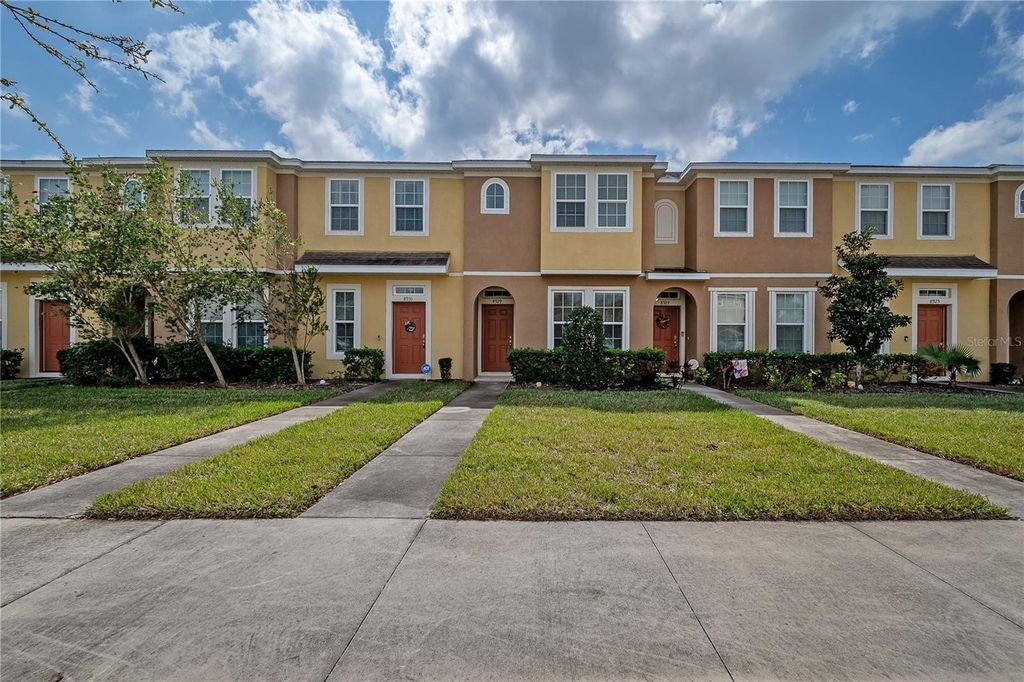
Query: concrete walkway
[[70, 498], [403, 481], [1006, 492]]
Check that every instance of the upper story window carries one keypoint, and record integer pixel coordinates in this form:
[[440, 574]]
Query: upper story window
[[733, 214], [408, 215], [239, 184], [570, 200], [936, 218], [52, 187], [612, 199], [196, 190], [1018, 203], [666, 222], [132, 195], [494, 196], [874, 209], [343, 205], [793, 208]]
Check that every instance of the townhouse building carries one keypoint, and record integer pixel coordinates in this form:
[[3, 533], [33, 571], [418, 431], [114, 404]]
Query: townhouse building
[[467, 259]]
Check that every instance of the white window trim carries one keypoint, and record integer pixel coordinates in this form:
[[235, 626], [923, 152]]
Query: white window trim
[[483, 197], [952, 211], [215, 195], [748, 332], [389, 357], [598, 201], [588, 300], [231, 315], [1017, 213], [809, 304], [426, 208], [750, 208], [675, 223], [951, 319], [362, 202], [38, 178], [888, 215], [210, 194], [809, 208], [333, 354], [33, 338], [591, 201]]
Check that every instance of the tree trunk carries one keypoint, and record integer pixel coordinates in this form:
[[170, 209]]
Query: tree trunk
[[300, 374], [213, 362], [132, 356], [859, 368]]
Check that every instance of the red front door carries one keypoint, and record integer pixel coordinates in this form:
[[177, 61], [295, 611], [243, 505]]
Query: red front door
[[54, 334], [666, 331], [931, 325], [408, 337], [497, 337]]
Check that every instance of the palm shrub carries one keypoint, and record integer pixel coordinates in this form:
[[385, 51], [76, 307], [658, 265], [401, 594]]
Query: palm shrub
[[583, 344], [955, 360]]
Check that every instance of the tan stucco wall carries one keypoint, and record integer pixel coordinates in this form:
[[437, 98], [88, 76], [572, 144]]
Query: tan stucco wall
[[503, 242], [666, 255], [17, 316]]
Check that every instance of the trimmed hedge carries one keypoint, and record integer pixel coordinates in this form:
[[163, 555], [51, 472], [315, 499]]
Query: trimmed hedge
[[1002, 373], [186, 361], [766, 367], [101, 362], [364, 363], [10, 363], [622, 368]]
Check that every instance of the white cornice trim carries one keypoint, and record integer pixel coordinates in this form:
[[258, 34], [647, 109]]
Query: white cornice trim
[[1009, 276], [24, 267], [960, 273], [769, 275], [676, 276], [375, 269], [625, 273]]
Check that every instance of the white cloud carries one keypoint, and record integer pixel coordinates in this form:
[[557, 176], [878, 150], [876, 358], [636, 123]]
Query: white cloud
[[456, 79], [850, 107], [809, 116], [102, 126], [863, 137], [204, 137]]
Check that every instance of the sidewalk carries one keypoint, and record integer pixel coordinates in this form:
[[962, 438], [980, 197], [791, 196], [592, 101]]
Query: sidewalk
[[70, 498], [403, 481], [1006, 492]]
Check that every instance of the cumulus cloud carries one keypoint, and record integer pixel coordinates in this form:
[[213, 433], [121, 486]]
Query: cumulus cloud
[[104, 126], [454, 79], [850, 107], [204, 137], [863, 137]]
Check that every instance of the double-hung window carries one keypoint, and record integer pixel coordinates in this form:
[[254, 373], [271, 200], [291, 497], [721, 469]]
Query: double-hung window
[[875, 209], [52, 187], [793, 208], [732, 319], [250, 327], [343, 319], [211, 322], [238, 183], [571, 200], [734, 217], [612, 199], [409, 214], [792, 316], [611, 304], [132, 195], [343, 205], [936, 220], [195, 197]]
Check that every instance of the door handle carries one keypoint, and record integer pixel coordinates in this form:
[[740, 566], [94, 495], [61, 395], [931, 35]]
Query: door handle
[[424, 342]]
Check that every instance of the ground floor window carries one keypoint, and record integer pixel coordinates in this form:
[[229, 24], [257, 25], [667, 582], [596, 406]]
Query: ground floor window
[[343, 319], [250, 327], [238, 324], [792, 318], [611, 303], [732, 319], [211, 322]]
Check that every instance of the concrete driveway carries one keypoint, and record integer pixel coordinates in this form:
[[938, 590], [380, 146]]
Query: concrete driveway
[[363, 599]]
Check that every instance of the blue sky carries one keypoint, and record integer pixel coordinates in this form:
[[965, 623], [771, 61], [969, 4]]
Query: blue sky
[[875, 83]]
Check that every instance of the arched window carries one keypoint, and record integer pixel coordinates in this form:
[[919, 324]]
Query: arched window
[[494, 196], [666, 222], [1018, 203]]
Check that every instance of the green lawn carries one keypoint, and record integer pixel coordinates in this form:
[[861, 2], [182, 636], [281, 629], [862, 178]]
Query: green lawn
[[283, 474], [52, 432], [984, 430], [551, 455]]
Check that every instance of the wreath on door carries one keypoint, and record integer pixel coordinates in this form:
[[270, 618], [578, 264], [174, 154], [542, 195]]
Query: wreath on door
[[663, 321]]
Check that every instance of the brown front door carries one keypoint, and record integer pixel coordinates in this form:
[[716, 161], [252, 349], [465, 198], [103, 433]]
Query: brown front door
[[931, 325], [54, 334], [408, 337], [497, 337], [666, 331]]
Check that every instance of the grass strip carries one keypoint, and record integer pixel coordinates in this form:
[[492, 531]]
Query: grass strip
[[282, 474], [561, 455], [52, 432], [982, 430]]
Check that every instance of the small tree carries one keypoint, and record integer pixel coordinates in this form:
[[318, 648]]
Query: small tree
[[955, 360], [93, 242], [859, 313], [583, 345]]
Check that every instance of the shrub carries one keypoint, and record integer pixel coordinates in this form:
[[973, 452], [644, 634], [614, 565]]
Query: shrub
[[10, 362], [702, 376], [102, 362], [776, 381], [186, 361], [632, 368], [1002, 373], [446, 369], [530, 365], [803, 383], [836, 381], [583, 344], [364, 363], [265, 365], [764, 367]]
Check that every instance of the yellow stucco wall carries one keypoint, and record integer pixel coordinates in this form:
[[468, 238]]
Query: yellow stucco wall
[[16, 314], [444, 223], [445, 324], [592, 250]]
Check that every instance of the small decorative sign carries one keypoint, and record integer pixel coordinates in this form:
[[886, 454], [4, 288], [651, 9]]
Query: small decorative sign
[[425, 368], [410, 326]]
